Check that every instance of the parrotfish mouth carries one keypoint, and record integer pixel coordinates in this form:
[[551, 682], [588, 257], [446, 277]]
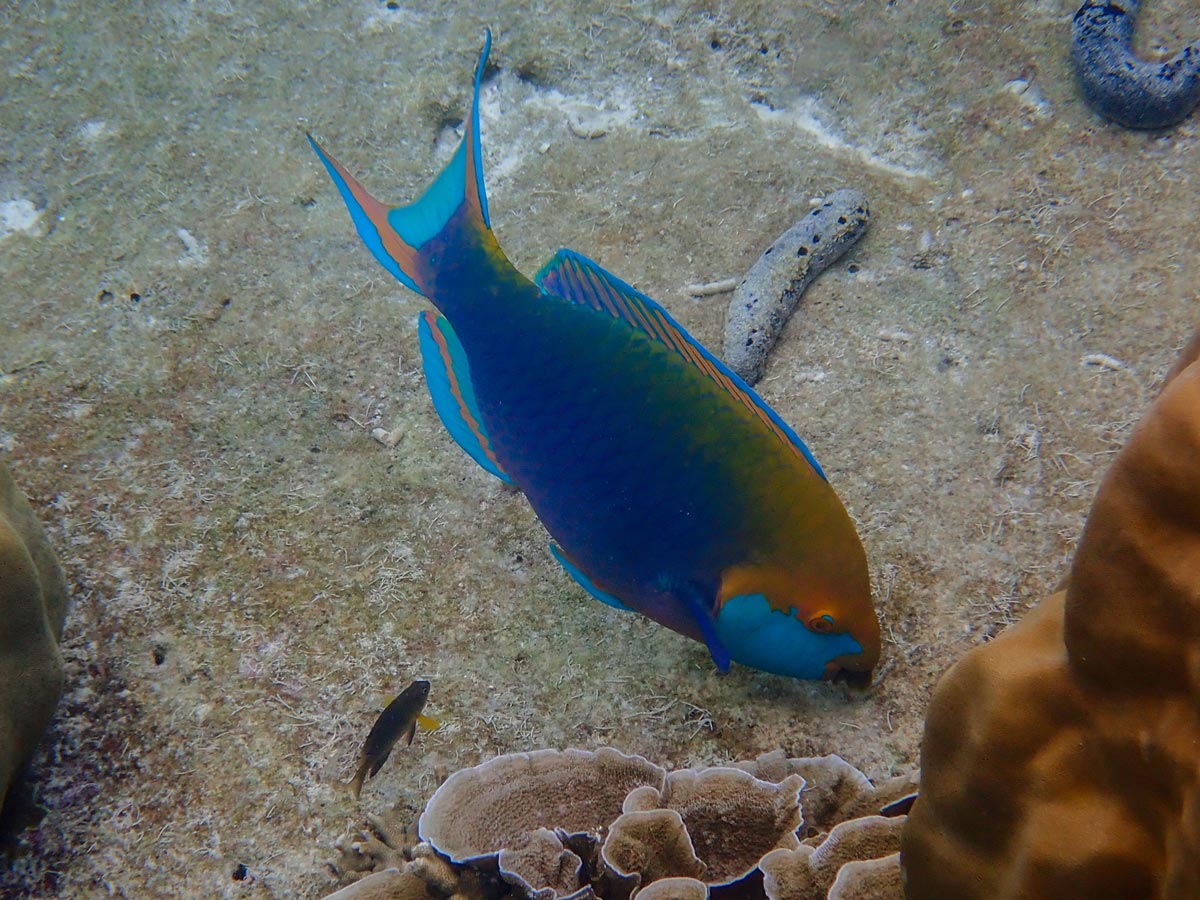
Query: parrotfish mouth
[[855, 678]]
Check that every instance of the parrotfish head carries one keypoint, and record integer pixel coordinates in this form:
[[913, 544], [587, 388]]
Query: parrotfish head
[[779, 621]]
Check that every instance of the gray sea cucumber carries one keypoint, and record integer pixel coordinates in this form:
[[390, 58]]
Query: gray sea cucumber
[[766, 297], [1118, 85]]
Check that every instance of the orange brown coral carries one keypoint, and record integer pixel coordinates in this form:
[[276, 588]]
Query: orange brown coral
[[1062, 760], [33, 604]]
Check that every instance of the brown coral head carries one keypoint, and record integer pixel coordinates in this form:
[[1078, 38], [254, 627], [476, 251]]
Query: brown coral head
[[480, 811], [1133, 598], [1060, 760], [33, 602]]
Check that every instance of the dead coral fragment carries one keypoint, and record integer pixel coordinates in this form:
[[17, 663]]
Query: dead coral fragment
[[481, 811], [1060, 759]]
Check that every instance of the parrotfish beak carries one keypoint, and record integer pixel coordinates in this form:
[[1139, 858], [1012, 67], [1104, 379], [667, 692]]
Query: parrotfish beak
[[855, 678], [855, 669]]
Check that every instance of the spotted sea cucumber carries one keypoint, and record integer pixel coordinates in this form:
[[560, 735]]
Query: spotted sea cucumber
[[766, 297], [1118, 85]]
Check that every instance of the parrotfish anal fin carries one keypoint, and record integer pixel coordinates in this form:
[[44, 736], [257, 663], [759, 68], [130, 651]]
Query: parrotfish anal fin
[[449, 379], [576, 278], [701, 611], [395, 235], [586, 583]]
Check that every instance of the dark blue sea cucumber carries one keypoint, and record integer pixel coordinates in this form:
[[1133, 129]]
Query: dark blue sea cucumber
[[1118, 85]]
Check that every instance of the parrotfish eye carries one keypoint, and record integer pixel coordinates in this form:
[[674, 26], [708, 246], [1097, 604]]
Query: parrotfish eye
[[822, 624]]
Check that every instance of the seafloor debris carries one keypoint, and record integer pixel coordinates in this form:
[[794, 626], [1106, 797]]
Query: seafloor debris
[[578, 825], [33, 603], [767, 296], [1060, 759], [1130, 91]]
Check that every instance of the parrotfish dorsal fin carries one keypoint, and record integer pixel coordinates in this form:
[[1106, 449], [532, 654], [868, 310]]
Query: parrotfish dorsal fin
[[576, 278], [396, 235], [449, 380]]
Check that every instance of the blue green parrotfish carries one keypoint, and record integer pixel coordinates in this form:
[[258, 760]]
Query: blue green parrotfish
[[668, 486]]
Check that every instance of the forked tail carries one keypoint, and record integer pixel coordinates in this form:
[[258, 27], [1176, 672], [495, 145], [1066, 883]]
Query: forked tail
[[397, 235]]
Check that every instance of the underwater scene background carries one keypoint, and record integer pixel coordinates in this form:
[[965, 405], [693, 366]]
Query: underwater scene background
[[212, 395]]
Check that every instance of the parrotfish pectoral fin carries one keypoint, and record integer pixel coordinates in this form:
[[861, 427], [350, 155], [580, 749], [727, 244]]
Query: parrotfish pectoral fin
[[576, 278], [428, 723], [395, 236], [701, 611], [449, 379], [586, 583]]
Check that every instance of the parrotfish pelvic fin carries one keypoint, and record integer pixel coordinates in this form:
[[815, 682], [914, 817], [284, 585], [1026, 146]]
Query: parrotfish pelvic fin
[[573, 277], [693, 597], [448, 377], [396, 235]]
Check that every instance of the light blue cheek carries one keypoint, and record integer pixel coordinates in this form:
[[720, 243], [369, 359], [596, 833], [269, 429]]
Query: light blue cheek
[[776, 642]]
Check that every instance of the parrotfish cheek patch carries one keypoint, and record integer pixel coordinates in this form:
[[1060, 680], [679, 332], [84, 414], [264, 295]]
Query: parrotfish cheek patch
[[1119, 86], [764, 638]]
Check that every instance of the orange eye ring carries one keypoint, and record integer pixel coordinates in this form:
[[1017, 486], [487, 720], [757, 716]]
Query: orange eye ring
[[822, 624]]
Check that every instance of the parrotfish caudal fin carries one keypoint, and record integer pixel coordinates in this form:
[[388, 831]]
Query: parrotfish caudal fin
[[396, 235]]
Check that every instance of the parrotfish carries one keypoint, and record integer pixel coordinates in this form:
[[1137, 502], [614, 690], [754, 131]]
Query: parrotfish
[[668, 486], [398, 721]]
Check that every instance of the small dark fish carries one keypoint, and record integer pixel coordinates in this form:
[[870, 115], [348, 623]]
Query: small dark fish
[[900, 807], [399, 720]]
